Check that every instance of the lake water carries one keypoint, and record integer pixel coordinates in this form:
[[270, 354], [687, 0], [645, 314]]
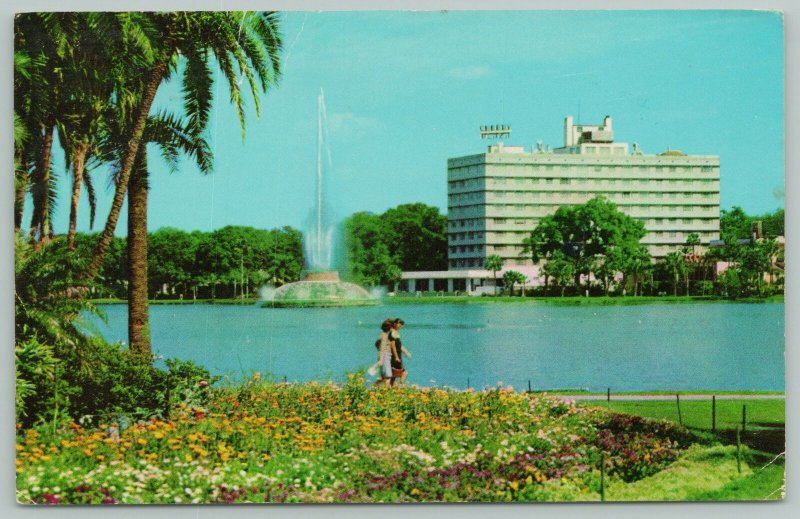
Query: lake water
[[645, 347]]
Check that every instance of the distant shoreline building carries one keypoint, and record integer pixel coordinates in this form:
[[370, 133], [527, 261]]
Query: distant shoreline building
[[496, 198]]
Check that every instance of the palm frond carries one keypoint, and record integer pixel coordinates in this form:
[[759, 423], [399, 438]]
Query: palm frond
[[91, 197], [197, 84]]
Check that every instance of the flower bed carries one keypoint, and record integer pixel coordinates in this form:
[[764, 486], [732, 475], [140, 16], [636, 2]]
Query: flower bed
[[325, 443]]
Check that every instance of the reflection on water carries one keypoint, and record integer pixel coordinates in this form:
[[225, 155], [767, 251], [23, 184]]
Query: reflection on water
[[647, 347]]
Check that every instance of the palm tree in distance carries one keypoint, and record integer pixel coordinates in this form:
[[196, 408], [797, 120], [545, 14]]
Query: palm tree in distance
[[494, 263], [676, 264], [245, 45]]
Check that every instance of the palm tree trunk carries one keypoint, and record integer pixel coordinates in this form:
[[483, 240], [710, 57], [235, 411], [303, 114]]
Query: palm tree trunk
[[151, 86], [78, 166], [40, 220], [138, 322]]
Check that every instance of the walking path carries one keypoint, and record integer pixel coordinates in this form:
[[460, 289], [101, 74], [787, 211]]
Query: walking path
[[672, 397]]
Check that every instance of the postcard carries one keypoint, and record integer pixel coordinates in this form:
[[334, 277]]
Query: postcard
[[399, 257]]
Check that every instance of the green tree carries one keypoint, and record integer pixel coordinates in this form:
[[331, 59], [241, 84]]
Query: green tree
[[636, 263], [773, 223], [416, 234], [676, 265], [170, 261], [560, 269], [583, 232], [511, 278], [369, 258], [692, 242], [494, 263]]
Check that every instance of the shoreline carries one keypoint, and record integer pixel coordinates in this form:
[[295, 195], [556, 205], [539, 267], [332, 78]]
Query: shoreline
[[448, 299]]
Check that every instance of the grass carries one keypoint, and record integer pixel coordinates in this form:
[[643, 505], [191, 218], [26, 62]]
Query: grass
[[696, 414], [228, 301], [576, 300], [766, 482], [586, 392], [451, 299], [708, 474]]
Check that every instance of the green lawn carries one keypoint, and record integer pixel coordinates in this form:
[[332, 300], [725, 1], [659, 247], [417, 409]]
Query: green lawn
[[428, 298], [696, 414]]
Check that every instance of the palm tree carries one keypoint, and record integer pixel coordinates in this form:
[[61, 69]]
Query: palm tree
[[494, 263], [676, 264], [166, 132], [245, 45], [37, 83], [173, 137]]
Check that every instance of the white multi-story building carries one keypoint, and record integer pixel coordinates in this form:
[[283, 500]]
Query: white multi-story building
[[496, 198]]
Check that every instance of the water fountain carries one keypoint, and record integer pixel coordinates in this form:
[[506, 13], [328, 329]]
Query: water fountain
[[320, 284]]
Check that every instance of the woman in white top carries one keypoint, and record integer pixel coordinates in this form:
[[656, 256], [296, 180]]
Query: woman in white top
[[386, 352]]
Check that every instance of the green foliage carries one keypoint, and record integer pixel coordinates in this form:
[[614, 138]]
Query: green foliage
[[494, 263], [49, 295], [416, 234], [34, 367], [594, 237], [406, 238], [512, 277], [561, 270]]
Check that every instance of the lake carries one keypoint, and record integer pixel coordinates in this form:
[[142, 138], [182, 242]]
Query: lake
[[680, 347]]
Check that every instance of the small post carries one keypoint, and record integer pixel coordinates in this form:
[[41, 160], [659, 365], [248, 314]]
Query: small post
[[608, 395], [284, 379], [738, 452], [713, 413], [602, 476], [467, 382], [744, 419], [529, 385], [678, 400]]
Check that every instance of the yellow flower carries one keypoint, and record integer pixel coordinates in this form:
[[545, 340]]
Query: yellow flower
[[415, 491], [529, 480], [514, 486], [141, 441]]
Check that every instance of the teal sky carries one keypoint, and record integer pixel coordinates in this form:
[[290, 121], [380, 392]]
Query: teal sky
[[405, 91]]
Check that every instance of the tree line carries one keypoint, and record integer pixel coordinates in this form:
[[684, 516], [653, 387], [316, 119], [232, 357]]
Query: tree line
[[231, 262], [595, 248]]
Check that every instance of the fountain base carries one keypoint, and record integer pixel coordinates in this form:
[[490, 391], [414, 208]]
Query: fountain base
[[320, 289]]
